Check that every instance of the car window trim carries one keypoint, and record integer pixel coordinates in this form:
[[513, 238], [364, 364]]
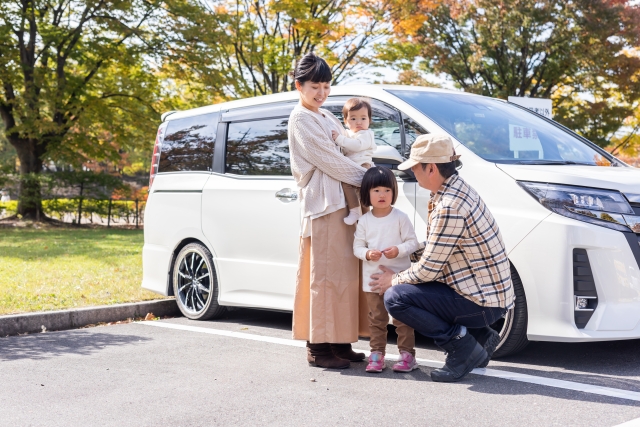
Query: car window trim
[[272, 110], [220, 151]]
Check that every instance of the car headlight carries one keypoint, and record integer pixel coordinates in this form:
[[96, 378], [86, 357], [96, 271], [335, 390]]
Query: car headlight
[[607, 208]]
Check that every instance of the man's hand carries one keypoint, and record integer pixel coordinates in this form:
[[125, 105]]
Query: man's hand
[[381, 281], [374, 255], [391, 252], [334, 134]]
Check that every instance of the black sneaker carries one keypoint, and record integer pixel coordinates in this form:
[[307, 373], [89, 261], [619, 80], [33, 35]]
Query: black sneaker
[[463, 354]]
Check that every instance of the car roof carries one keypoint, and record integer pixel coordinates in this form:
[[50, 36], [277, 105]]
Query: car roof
[[292, 96]]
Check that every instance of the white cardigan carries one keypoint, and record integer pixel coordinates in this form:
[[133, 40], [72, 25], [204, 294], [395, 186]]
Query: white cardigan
[[317, 164]]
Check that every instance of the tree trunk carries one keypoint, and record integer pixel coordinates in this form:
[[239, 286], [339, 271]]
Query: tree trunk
[[30, 195]]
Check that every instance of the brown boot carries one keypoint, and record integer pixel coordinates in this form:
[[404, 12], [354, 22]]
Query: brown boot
[[344, 351], [322, 356]]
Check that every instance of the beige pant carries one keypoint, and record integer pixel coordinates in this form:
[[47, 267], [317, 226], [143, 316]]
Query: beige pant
[[378, 321], [351, 192]]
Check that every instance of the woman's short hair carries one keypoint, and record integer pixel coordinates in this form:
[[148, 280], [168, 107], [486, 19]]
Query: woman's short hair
[[312, 68], [377, 176], [354, 104]]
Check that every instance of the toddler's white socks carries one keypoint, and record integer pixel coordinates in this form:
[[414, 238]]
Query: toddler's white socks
[[354, 215]]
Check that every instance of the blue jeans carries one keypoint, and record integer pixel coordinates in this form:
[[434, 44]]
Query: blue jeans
[[437, 311]]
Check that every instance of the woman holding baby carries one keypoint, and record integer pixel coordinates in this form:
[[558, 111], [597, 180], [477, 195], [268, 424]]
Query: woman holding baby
[[329, 308], [329, 164]]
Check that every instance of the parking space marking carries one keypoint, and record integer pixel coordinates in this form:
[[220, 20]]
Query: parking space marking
[[495, 373], [632, 423]]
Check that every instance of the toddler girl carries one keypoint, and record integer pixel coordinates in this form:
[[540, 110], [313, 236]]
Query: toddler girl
[[358, 146], [384, 236]]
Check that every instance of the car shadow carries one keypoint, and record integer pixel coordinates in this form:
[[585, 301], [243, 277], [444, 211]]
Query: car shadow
[[618, 358], [280, 320], [481, 384], [596, 363], [62, 343], [612, 364]]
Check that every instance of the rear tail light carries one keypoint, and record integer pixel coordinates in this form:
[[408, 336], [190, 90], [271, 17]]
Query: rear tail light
[[157, 149]]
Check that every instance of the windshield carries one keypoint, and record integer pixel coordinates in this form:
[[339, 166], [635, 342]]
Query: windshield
[[500, 132]]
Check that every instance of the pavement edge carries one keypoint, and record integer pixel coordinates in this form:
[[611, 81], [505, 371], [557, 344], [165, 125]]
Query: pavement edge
[[15, 324]]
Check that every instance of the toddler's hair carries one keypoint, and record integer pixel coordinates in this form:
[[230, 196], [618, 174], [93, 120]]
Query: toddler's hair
[[354, 104], [377, 176]]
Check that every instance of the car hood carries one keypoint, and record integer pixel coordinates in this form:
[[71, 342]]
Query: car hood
[[623, 179]]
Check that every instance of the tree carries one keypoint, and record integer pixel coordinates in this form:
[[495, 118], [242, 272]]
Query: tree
[[75, 84], [572, 51], [256, 43]]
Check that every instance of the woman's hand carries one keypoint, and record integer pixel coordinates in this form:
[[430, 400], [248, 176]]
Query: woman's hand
[[374, 255], [391, 252], [334, 135]]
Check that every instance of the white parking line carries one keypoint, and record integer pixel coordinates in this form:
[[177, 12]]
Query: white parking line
[[531, 379], [632, 423]]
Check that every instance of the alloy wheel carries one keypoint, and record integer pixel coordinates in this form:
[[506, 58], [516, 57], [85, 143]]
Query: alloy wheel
[[193, 279], [503, 327]]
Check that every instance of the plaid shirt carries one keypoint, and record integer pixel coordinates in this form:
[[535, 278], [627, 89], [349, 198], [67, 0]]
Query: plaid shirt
[[464, 248]]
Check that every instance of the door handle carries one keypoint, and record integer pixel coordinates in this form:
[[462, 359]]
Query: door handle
[[286, 195]]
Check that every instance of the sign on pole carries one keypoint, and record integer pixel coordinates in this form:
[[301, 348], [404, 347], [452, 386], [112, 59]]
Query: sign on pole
[[541, 106]]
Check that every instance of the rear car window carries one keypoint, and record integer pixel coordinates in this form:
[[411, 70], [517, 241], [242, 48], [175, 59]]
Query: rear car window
[[188, 144], [258, 147]]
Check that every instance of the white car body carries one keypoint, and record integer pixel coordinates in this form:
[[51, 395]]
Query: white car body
[[253, 236]]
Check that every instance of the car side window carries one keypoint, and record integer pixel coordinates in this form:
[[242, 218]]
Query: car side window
[[412, 130], [384, 125], [258, 147], [188, 144], [386, 131]]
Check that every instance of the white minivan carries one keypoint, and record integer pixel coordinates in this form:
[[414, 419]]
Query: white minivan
[[222, 219]]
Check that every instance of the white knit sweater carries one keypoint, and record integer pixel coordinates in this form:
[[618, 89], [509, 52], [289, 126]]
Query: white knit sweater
[[358, 146], [317, 164]]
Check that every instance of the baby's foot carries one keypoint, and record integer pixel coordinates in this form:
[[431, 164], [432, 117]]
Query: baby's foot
[[354, 215]]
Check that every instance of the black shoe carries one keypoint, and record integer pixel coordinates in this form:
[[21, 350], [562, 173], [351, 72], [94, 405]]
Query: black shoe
[[488, 339], [463, 354]]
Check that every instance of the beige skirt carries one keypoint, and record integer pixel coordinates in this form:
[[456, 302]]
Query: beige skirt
[[329, 304]]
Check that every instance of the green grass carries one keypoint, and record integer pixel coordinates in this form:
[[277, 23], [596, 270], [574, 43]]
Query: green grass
[[52, 269]]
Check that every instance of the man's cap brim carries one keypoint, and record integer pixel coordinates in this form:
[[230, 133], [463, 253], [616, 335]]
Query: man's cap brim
[[407, 164]]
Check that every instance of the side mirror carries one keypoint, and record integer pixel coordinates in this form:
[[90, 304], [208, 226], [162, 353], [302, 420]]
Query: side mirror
[[390, 158]]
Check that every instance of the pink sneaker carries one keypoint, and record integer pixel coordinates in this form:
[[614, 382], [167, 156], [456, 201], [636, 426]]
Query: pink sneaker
[[407, 363], [376, 362]]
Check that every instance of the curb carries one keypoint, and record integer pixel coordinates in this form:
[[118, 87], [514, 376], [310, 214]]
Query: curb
[[15, 324]]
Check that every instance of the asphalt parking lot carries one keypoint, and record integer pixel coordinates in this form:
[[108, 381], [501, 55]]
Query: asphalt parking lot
[[245, 370]]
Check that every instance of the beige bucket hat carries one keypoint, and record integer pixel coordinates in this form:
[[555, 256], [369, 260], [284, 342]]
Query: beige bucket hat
[[430, 148]]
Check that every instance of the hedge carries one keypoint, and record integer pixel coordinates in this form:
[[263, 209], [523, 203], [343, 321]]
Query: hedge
[[58, 208]]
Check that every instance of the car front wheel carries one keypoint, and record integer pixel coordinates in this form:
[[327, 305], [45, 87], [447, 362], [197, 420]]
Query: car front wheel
[[513, 326], [194, 283]]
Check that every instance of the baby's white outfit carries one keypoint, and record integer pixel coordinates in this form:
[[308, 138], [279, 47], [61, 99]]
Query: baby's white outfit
[[374, 233], [358, 146]]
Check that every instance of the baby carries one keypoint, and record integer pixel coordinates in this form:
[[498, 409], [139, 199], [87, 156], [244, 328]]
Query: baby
[[359, 146]]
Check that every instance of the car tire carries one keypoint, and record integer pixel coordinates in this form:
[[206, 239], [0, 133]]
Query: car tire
[[513, 327], [195, 284]]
